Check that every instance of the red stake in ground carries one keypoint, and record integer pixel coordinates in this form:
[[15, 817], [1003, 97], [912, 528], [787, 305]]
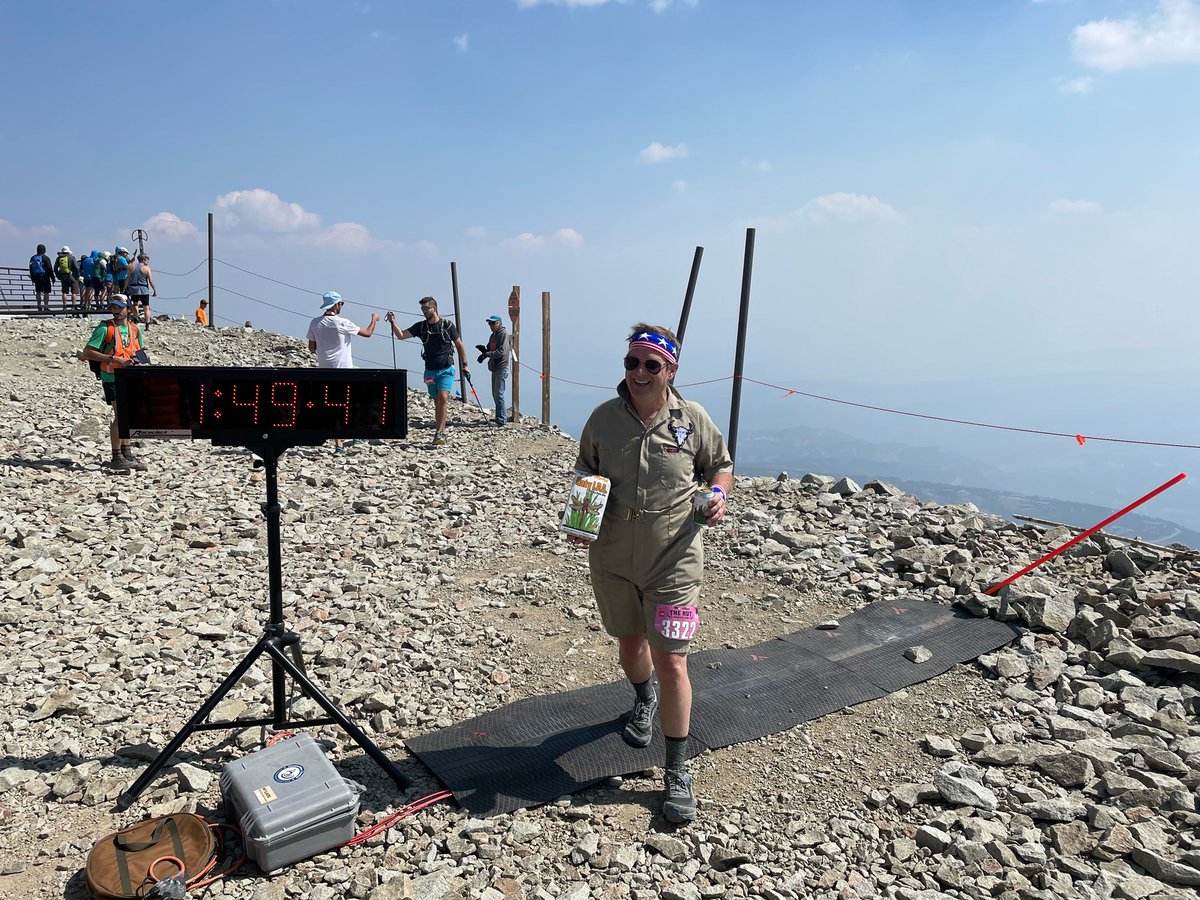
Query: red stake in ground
[[1079, 537]]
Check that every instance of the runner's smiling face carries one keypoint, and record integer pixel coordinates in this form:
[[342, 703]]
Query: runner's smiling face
[[644, 385]]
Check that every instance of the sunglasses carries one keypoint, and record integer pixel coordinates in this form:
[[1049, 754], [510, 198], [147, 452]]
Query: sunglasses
[[653, 366]]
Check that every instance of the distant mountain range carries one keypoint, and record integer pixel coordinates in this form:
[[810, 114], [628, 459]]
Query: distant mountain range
[[932, 474]]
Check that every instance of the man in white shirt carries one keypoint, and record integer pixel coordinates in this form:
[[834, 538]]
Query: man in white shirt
[[329, 337]]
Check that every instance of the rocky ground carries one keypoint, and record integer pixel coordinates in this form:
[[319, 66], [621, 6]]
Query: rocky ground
[[429, 585]]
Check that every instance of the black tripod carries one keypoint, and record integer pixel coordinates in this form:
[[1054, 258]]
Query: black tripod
[[275, 640]]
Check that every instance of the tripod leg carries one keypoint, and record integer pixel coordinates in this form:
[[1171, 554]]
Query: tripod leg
[[127, 798], [272, 647]]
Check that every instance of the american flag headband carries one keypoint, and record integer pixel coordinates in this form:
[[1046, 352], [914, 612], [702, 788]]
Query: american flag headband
[[659, 343]]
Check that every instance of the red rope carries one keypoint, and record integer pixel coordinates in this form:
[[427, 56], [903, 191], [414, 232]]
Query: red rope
[[1079, 537]]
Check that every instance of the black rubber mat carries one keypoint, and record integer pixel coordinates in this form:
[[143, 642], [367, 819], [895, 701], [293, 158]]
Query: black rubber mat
[[535, 750]]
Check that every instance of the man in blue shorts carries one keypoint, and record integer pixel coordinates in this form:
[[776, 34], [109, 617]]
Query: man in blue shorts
[[440, 339]]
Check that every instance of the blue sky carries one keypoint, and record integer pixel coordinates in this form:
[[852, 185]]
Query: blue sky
[[941, 190]]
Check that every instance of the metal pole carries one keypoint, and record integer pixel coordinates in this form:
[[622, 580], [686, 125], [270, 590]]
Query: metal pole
[[462, 376], [516, 336], [212, 306], [545, 357], [687, 298], [735, 406]]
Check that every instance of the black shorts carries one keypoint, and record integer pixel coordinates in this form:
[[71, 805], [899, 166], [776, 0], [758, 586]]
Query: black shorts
[[41, 284], [67, 285], [96, 284], [110, 392], [139, 299]]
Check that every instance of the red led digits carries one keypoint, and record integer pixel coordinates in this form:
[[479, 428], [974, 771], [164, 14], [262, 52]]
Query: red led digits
[[287, 404], [251, 405], [344, 405]]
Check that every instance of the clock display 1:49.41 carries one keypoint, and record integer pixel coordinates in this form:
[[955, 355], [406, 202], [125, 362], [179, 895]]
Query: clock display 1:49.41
[[236, 405]]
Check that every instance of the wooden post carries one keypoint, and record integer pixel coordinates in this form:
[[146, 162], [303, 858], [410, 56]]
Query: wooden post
[[212, 306], [462, 376], [545, 357], [514, 315]]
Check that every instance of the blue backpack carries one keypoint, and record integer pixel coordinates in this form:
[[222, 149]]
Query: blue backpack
[[36, 266], [85, 267]]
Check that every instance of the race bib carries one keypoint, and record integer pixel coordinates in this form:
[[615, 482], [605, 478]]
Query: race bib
[[676, 623]]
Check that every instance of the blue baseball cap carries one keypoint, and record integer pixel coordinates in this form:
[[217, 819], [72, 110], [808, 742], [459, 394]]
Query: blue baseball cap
[[118, 300], [494, 319], [330, 300]]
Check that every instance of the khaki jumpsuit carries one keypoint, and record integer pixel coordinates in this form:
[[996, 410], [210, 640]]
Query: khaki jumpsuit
[[649, 551]]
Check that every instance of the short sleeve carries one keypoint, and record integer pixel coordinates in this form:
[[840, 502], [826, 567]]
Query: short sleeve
[[96, 341], [345, 326], [713, 456]]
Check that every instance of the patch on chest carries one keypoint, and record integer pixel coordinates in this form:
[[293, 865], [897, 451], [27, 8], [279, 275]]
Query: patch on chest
[[681, 433]]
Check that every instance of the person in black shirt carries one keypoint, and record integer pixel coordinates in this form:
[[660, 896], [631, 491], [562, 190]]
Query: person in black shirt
[[441, 340]]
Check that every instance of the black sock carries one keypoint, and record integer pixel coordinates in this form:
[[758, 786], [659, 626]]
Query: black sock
[[676, 751], [645, 690]]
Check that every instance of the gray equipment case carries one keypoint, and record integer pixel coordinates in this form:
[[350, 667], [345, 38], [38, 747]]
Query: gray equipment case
[[289, 802]]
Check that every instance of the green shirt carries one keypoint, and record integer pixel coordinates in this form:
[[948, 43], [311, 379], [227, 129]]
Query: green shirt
[[97, 342]]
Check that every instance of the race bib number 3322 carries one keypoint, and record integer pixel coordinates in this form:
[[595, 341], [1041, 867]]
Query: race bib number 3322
[[676, 623]]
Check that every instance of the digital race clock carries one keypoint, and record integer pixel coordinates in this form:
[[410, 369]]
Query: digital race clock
[[250, 407]]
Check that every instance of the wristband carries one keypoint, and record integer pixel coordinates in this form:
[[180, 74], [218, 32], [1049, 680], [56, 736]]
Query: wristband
[[720, 490]]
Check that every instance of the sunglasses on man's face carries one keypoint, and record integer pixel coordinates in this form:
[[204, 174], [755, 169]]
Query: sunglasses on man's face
[[653, 366]]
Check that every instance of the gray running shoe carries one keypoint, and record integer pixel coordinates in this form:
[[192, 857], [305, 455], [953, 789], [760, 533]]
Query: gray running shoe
[[439, 439], [119, 465], [680, 805], [640, 727], [131, 459]]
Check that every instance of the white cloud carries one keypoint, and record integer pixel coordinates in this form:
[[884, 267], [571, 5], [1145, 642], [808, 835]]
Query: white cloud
[[477, 232], [1075, 207], [261, 210], [461, 42], [661, 5], [9, 230], [847, 208], [761, 165], [838, 209], [679, 186], [657, 152], [1083, 85], [426, 248], [568, 237], [527, 241], [1170, 34], [264, 214], [169, 227], [345, 237]]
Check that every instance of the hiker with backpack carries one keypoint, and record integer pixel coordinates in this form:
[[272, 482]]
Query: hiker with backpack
[[440, 340], [66, 270], [103, 273], [118, 264], [41, 274], [87, 265], [141, 288], [114, 344]]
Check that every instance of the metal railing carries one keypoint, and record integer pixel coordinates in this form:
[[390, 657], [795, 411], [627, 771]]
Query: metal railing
[[18, 299]]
